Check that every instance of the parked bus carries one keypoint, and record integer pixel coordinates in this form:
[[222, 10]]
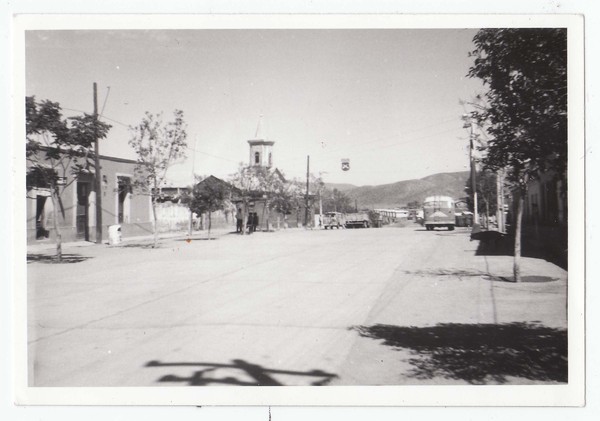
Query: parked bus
[[438, 211]]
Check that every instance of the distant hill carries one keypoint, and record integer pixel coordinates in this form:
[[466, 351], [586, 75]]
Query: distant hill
[[400, 193], [344, 187]]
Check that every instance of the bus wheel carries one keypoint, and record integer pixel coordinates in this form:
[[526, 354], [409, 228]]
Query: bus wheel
[[450, 227]]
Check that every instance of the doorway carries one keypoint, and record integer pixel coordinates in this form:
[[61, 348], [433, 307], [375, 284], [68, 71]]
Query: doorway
[[82, 218], [123, 199], [40, 218]]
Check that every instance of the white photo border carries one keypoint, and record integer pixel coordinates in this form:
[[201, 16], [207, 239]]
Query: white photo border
[[571, 394]]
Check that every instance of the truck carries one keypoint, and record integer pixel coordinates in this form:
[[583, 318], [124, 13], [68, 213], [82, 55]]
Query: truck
[[357, 220], [338, 220], [333, 220]]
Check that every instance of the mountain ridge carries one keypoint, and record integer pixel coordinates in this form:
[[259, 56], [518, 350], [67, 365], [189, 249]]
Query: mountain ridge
[[401, 193]]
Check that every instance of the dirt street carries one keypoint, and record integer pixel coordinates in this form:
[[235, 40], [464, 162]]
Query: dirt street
[[396, 305]]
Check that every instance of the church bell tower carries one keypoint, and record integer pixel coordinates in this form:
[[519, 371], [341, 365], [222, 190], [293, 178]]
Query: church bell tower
[[261, 149]]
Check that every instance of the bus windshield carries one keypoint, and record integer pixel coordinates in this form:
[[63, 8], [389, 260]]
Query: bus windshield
[[438, 204]]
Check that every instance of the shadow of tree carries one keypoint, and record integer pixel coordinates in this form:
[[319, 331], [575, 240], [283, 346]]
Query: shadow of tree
[[190, 240], [479, 353], [51, 258], [260, 375], [139, 245], [493, 243], [459, 273]]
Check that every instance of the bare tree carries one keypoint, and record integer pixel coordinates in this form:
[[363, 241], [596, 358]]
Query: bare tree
[[157, 145]]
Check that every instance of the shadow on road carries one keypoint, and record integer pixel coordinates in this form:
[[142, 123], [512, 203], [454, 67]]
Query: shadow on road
[[51, 258], [479, 353], [259, 375]]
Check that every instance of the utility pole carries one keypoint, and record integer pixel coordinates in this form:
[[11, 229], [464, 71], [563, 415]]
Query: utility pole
[[307, 186], [191, 223], [320, 209], [473, 174], [500, 200], [98, 176]]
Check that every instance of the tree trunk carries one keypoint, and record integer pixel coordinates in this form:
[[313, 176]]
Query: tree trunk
[[244, 217], [56, 228], [155, 225], [209, 223], [518, 228], [268, 218]]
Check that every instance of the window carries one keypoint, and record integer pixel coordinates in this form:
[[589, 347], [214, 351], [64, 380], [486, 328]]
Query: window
[[270, 159], [256, 158]]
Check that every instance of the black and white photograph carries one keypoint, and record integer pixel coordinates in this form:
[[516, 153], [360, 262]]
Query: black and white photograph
[[365, 208]]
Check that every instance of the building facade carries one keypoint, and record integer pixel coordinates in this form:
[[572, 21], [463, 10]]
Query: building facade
[[546, 202], [120, 206]]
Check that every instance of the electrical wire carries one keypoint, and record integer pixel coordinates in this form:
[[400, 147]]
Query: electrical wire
[[329, 153]]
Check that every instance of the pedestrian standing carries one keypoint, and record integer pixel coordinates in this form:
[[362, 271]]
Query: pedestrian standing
[[255, 221], [239, 219], [249, 222]]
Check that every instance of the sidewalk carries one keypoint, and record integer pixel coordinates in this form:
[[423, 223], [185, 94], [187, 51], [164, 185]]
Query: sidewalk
[[46, 246], [49, 246]]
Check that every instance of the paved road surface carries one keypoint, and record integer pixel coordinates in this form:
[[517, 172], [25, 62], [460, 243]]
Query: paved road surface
[[397, 305]]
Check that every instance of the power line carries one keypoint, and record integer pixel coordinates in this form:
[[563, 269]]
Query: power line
[[380, 139], [214, 156], [114, 121], [105, 99], [321, 158], [99, 115], [328, 152]]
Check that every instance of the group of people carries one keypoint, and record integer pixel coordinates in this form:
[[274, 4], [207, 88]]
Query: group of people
[[251, 223]]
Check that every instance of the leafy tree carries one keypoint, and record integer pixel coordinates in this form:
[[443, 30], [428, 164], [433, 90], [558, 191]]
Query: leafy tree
[[525, 72], [208, 196], [157, 145], [272, 184], [415, 204], [317, 186], [486, 191], [58, 150], [259, 183], [337, 201], [287, 198]]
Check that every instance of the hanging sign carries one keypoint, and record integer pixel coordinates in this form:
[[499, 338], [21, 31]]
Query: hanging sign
[[345, 164]]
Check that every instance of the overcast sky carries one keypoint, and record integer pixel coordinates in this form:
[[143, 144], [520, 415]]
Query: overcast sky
[[387, 99]]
